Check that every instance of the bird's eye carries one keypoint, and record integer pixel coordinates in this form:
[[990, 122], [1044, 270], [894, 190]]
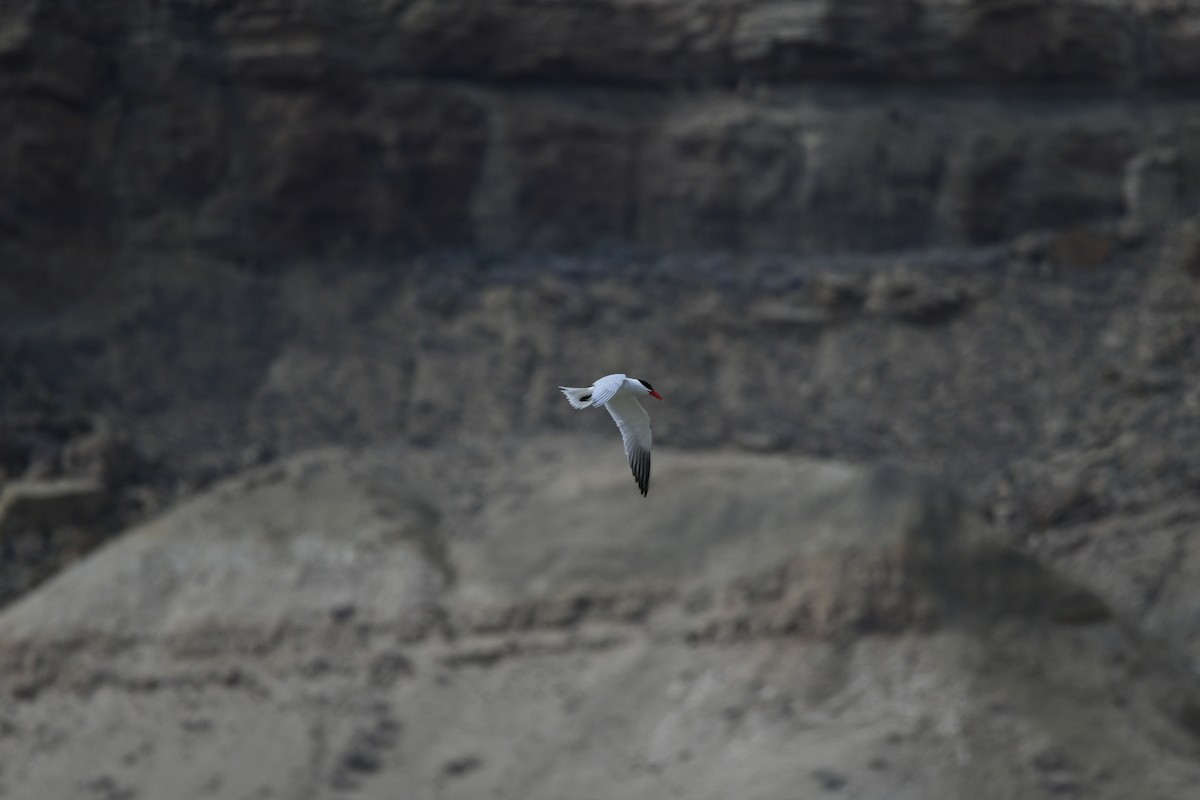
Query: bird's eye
[[647, 385]]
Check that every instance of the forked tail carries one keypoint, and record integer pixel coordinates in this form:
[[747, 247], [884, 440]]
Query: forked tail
[[578, 398]]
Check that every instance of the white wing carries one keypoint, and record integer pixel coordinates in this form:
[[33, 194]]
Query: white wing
[[604, 389], [634, 423]]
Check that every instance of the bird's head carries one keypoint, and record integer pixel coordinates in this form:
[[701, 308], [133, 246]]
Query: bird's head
[[647, 388]]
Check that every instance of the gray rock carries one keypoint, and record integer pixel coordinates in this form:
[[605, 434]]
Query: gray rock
[[351, 144], [1154, 187], [47, 524], [47, 504], [914, 298]]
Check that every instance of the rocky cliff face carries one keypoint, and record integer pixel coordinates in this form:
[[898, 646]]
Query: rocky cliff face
[[273, 132], [958, 235]]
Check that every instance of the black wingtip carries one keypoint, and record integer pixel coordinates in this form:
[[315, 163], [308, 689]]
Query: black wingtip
[[641, 472]]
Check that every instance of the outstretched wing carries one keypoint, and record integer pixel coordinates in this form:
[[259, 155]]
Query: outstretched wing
[[604, 388], [634, 423]]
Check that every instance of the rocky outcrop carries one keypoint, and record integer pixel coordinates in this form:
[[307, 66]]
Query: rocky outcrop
[[766, 619], [50, 503], [67, 483], [313, 131], [698, 43], [47, 524]]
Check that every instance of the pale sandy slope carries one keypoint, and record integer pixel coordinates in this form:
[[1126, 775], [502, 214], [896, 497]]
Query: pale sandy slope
[[506, 622]]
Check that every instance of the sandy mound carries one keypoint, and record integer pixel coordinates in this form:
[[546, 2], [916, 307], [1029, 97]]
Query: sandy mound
[[344, 623]]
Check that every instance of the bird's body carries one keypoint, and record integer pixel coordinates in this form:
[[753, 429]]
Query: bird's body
[[618, 394]]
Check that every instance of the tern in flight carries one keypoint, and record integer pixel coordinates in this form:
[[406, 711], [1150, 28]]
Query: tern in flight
[[618, 394]]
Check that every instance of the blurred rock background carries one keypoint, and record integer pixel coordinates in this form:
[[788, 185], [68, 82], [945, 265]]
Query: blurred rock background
[[286, 289]]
